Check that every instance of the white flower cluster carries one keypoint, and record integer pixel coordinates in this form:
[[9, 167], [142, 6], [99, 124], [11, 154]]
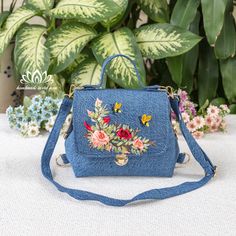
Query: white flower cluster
[[37, 115]]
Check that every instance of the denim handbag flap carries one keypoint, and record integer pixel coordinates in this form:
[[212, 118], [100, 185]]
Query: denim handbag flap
[[107, 122]]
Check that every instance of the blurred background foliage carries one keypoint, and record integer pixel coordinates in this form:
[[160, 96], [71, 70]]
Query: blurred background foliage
[[188, 44]]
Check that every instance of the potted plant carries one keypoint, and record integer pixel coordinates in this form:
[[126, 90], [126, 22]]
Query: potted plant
[[78, 36]]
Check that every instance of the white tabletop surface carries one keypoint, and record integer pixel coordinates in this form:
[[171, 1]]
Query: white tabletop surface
[[30, 205]]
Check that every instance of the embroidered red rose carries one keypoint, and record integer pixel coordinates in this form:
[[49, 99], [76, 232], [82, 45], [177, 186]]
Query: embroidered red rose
[[106, 119], [124, 133], [87, 126]]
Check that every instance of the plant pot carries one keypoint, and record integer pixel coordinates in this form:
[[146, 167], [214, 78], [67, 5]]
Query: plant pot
[[8, 94]]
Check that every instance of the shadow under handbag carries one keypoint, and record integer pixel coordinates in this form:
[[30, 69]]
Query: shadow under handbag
[[120, 132]]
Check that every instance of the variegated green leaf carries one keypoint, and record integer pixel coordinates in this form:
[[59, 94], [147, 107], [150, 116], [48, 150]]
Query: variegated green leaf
[[41, 4], [157, 10], [13, 22], [120, 69], [164, 40], [66, 42], [87, 11], [213, 18], [30, 54], [88, 73], [122, 5]]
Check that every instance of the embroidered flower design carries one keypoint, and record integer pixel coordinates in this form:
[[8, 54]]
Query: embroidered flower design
[[124, 133], [119, 138], [138, 143], [99, 138]]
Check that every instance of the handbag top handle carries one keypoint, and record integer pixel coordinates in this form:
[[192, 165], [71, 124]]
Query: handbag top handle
[[108, 60]]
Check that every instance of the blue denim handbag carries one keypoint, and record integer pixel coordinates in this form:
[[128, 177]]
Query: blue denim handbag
[[123, 133]]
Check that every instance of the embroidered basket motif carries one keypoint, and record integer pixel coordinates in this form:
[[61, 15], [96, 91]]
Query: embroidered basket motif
[[119, 138]]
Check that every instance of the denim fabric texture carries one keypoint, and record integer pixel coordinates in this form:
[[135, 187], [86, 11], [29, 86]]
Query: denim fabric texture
[[159, 160]]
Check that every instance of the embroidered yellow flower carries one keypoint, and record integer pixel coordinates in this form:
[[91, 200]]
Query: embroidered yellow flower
[[117, 107], [145, 119]]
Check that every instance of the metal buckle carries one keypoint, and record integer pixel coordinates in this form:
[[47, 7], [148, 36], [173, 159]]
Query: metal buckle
[[61, 164]]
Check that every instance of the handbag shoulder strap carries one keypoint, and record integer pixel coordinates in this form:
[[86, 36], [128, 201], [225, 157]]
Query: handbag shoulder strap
[[161, 193]]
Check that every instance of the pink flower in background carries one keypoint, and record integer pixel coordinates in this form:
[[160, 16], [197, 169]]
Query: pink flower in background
[[185, 117], [191, 126], [208, 120], [138, 143], [214, 127], [99, 138], [199, 121], [183, 95], [198, 134], [213, 110], [218, 120]]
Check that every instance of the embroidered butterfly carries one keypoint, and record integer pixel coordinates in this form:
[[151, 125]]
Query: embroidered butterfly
[[117, 107], [145, 119]]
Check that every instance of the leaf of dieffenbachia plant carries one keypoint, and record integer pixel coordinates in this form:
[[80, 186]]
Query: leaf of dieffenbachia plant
[[122, 5], [207, 74], [157, 10], [30, 54], [120, 70], [213, 18], [3, 17], [13, 22], [86, 11], [228, 71], [88, 73], [182, 67], [66, 42], [225, 45], [184, 13], [41, 4], [164, 40]]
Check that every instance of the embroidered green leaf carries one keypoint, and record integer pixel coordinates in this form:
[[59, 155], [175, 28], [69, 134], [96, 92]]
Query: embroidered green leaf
[[164, 40], [30, 54], [122, 5], [120, 70], [41, 4], [66, 42], [13, 22], [157, 10], [213, 18], [88, 73], [87, 11]]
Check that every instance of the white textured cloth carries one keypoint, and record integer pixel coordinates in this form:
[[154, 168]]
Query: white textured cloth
[[30, 205]]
